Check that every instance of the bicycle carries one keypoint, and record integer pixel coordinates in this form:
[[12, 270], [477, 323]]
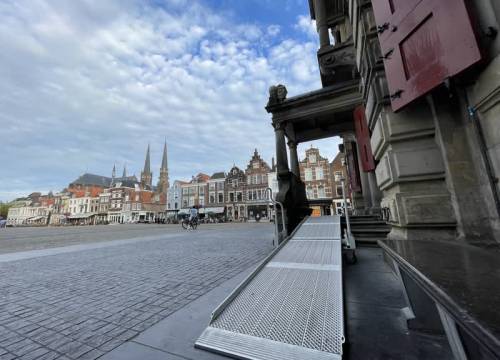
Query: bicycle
[[189, 224]]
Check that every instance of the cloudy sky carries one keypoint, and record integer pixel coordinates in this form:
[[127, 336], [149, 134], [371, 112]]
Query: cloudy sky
[[88, 83]]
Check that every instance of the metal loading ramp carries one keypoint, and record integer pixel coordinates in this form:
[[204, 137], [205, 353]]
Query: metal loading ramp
[[291, 307]]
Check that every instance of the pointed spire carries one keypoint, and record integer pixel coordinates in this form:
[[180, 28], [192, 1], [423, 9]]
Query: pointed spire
[[124, 175], [164, 160], [113, 173], [147, 163]]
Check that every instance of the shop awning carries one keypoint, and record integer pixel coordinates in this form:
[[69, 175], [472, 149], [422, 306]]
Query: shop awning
[[80, 216], [183, 211], [35, 218], [212, 210]]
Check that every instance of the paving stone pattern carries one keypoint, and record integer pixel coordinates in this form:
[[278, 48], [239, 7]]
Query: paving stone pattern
[[83, 304]]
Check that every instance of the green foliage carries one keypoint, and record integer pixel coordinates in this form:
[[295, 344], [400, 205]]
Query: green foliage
[[4, 209]]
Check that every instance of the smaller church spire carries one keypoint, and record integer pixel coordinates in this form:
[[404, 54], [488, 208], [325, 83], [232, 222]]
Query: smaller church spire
[[113, 173], [146, 175], [164, 159], [147, 163], [124, 175]]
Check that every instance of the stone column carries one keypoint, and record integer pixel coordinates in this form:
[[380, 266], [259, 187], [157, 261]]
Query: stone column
[[376, 194], [294, 158], [321, 22], [281, 154]]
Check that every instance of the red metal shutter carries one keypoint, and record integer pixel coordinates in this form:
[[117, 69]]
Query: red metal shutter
[[363, 139], [352, 165], [423, 43]]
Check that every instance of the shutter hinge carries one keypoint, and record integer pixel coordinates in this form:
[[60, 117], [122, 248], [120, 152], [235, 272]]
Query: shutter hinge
[[387, 55], [382, 28], [396, 94]]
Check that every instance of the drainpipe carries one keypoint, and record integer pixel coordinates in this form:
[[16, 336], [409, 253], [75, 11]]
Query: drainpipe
[[484, 152]]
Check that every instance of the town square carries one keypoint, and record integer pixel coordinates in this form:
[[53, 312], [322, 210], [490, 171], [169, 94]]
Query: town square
[[251, 180]]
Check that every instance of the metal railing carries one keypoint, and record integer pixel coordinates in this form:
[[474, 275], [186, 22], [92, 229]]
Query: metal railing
[[276, 228]]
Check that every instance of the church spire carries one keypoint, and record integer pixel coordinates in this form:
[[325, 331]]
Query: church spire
[[164, 160], [163, 181], [147, 163], [146, 175], [113, 172], [124, 175]]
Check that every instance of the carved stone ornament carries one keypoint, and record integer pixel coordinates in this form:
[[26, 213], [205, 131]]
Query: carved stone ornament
[[332, 61], [277, 94]]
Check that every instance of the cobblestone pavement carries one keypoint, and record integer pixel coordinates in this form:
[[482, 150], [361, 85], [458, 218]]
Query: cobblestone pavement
[[33, 238], [82, 304]]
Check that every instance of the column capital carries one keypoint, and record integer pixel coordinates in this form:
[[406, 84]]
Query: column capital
[[279, 125], [292, 144]]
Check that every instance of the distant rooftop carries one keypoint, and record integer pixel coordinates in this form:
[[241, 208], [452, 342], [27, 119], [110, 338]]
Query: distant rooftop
[[218, 175], [92, 179]]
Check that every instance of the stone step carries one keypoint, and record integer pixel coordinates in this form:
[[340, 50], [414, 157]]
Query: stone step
[[364, 217], [370, 230], [373, 223], [361, 240]]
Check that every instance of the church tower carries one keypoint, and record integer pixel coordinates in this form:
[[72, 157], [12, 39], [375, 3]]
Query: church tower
[[146, 175], [163, 182]]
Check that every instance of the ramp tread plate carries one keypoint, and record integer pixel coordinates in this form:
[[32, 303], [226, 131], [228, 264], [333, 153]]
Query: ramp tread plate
[[291, 309], [249, 347], [320, 231], [310, 252], [296, 306], [323, 219]]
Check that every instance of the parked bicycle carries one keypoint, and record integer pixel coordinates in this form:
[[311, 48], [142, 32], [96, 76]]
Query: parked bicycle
[[189, 224]]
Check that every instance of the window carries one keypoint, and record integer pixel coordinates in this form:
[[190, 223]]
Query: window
[[309, 192], [231, 197], [212, 198], [220, 185], [212, 186], [308, 174], [250, 197], [202, 190], [221, 197], [319, 173], [240, 196], [235, 182], [339, 190], [321, 192]]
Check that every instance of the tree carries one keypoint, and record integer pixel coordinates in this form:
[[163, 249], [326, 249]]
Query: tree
[[4, 209]]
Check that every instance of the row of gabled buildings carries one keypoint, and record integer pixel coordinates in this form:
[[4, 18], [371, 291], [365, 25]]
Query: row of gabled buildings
[[97, 199], [243, 194], [235, 195]]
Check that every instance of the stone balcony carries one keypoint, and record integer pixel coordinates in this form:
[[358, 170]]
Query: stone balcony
[[337, 64]]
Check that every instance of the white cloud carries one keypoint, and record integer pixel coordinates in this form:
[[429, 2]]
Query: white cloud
[[85, 84], [306, 25], [273, 30]]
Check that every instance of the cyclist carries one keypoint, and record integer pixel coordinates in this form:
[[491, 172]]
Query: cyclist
[[193, 215]]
